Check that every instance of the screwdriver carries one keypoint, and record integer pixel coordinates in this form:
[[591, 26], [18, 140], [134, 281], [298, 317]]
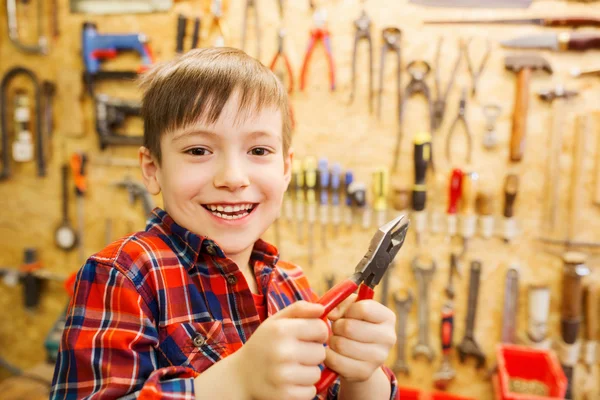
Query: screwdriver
[[380, 195], [310, 184], [78, 168], [485, 208], [323, 186], [511, 186], [467, 202], [453, 199], [422, 157], [336, 187], [298, 182], [348, 214]]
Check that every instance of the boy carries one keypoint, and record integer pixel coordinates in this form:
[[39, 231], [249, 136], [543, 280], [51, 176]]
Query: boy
[[180, 310]]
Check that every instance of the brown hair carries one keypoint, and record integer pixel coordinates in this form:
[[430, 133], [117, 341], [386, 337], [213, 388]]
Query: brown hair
[[195, 87]]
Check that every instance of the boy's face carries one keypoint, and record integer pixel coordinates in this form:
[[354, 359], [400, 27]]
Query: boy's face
[[224, 180]]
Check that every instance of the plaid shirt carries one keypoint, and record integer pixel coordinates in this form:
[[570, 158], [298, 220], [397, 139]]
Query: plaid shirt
[[153, 310]]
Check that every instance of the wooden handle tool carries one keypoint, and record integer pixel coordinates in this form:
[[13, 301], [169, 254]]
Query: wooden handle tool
[[519, 122], [572, 289]]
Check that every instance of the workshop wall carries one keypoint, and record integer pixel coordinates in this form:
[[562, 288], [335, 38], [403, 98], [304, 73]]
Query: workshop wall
[[327, 126]]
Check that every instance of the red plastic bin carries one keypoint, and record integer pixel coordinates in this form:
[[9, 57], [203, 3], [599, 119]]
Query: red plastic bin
[[410, 394], [447, 396], [530, 364]]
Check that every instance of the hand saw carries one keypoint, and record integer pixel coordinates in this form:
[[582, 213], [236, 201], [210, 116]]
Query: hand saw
[[474, 3]]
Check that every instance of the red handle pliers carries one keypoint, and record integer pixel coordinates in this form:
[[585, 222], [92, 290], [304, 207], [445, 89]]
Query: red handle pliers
[[384, 246], [319, 34]]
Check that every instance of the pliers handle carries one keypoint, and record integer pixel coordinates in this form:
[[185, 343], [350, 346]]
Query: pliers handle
[[318, 34]]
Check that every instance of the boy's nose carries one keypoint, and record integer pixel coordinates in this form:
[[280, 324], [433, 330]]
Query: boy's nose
[[231, 175]]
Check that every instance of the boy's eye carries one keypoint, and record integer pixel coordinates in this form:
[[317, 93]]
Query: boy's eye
[[260, 151], [198, 151]]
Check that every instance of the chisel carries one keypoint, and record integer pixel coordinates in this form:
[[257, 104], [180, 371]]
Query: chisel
[[511, 187], [78, 168], [310, 184], [323, 187]]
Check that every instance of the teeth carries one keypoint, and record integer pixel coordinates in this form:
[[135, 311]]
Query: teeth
[[236, 208], [213, 208], [228, 209], [220, 208]]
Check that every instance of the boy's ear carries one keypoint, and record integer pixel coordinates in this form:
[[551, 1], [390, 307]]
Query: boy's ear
[[150, 171], [287, 166]]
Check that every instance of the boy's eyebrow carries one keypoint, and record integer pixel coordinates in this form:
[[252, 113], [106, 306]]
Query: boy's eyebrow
[[259, 134], [192, 132]]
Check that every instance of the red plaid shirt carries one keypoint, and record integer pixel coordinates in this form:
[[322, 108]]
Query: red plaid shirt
[[153, 310]]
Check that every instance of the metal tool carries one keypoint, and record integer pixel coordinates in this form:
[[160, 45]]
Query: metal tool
[[336, 197], [310, 186], [319, 33], [423, 275], [217, 28], [468, 218], [380, 194], [476, 73], [362, 32], [40, 140], [48, 90], [13, 29], [571, 311], [385, 286], [538, 310], [446, 373], [468, 346], [491, 112], [523, 65], [511, 187], [564, 41], [422, 156], [484, 204], [474, 3], [323, 184], [574, 22], [79, 171], [557, 98], [111, 114], [511, 306], [439, 104], [418, 71], [252, 5], [449, 289], [403, 307], [391, 38], [65, 235], [460, 117], [181, 33], [281, 54], [454, 194], [137, 191], [384, 246], [348, 210]]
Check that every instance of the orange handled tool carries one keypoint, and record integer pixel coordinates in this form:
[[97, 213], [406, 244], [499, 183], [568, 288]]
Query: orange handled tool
[[453, 199]]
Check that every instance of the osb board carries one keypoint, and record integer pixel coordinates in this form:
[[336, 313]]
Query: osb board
[[327, 127]]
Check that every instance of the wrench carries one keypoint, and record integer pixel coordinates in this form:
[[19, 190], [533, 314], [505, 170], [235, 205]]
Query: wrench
[[468, 346], [423, 277], [403, 307], [453, 269], [511, 304]]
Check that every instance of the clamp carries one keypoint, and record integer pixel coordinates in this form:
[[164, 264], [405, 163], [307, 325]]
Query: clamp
[[362, 31], [13, 29], [460, 117], [391, 37], [319, 33]]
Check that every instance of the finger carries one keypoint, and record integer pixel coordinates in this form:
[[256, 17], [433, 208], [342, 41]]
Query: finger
[[349, 368], [370, 311], [308, 353], [296, 374], [301, 309], [365, 332], [371, 352], [310, 330], [297, 392], [341, 308]]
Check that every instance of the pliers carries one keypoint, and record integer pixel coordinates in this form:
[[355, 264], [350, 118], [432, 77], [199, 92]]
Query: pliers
[[288, 68], [460, 117], [384, 246], [319, 33], [362, 27]]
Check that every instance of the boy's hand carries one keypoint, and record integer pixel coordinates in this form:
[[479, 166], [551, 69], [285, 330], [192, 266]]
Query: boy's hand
[[281, 359], [363, 335]]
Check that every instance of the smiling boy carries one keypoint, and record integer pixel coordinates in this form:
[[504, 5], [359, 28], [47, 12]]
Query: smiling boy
[[197, 306]]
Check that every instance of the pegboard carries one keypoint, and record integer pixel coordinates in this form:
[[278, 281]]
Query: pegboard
[[328, 125]]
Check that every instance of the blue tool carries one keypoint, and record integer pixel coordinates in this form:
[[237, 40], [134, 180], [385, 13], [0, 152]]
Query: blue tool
[[348, 179], [335, 184], [323, 186]]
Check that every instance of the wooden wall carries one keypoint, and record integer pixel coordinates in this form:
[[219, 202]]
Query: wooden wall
[[327, 126]]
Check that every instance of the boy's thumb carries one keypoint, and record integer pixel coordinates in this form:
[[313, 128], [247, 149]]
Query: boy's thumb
[[301, 309]]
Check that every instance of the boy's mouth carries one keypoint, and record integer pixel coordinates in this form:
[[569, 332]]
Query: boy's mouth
[[230, 211]]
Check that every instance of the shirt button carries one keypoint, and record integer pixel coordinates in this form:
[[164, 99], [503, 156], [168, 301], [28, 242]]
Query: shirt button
[[210, 249], [231, 279], [199, 341]]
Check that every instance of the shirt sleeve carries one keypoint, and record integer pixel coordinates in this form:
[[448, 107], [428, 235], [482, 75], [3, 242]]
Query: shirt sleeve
[[109, 344]]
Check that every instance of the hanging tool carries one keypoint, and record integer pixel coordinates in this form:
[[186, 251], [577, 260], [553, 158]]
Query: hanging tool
[[511, 305], [380, 194], [460, 117], [449, 289], [48, 92], [383, 248], [476, 74], [196, 33], [423, 276], [65, 235], [310, 186], [574, 22], [484, 204], [136, 191], [217, 25], [323, 185], [454, 193], [252, 4], [491, 112], [281, 54], [181, 33], [79, 171], [511, 187], [439, 104], [468, 218], [336, 197], [474, 3], [402, 307], [446, 373], [319, 33], [422, 157], [564, 41], [40, 142], [22, 148], [592, 313], [572, 294], [468, 347], [385, 285], [362, 31], [13, 29], [348, 213], [111, 114], [539, 311], [391, 38], [523, 65], [298, 182], [418, 71], [557, 98]]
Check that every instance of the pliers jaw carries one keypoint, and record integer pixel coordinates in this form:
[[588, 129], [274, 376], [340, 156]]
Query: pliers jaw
[[384, 246]]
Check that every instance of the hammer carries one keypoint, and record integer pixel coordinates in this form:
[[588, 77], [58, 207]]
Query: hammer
[[522, 65]]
